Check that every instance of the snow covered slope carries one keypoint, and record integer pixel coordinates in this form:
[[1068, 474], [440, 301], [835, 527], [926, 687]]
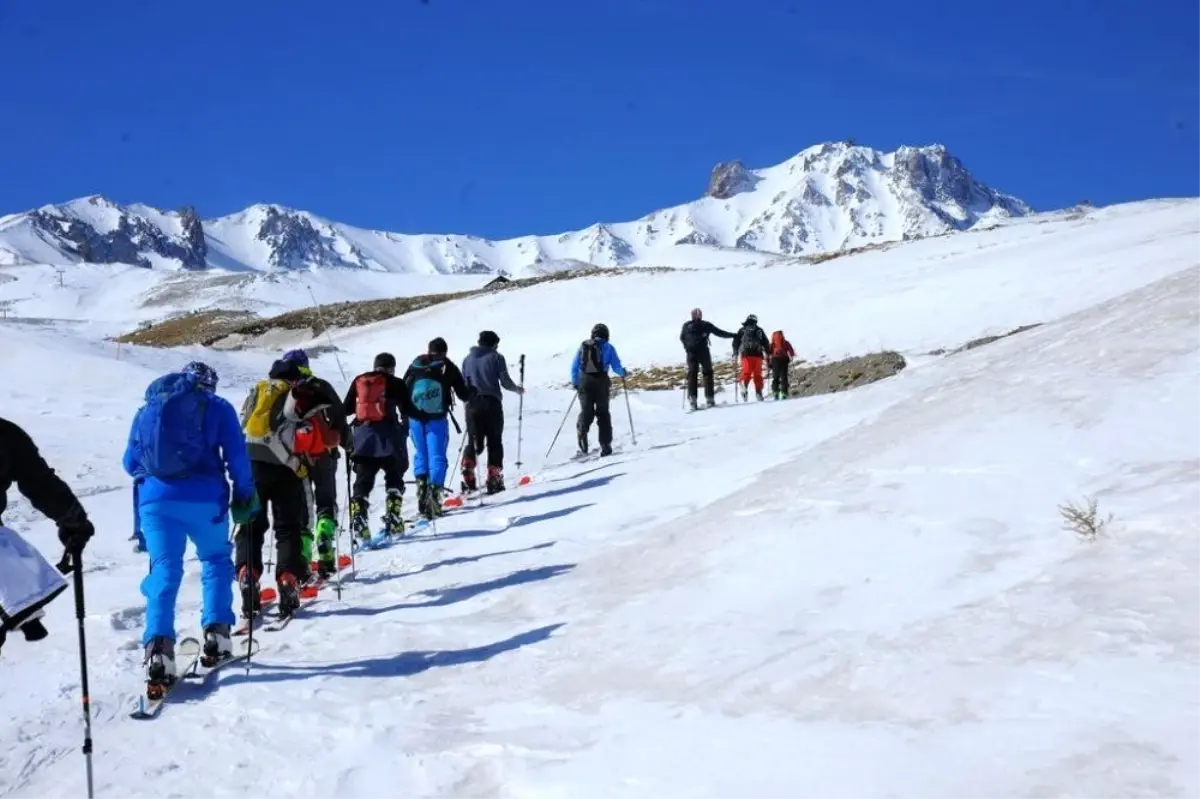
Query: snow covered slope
[[828, 197], [860, 594]]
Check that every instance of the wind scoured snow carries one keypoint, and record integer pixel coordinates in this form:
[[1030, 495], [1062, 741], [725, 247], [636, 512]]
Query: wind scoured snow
[[866, 593]]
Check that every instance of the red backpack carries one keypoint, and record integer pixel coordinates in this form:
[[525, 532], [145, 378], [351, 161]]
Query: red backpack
[[371, 397]]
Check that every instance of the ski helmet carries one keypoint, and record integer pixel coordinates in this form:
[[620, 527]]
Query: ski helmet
[[204, 375], [298, 357], [752, 319], [438, 346], [600, 330], [697, 315], [488, 338]]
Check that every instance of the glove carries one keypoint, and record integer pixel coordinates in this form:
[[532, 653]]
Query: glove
[[243, 512], [74, 536]]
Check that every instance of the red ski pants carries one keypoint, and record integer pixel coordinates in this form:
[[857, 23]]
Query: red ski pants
[[752, 366]]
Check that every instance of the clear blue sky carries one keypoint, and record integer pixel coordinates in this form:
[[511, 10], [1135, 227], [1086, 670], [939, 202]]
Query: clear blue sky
[[505, 117]]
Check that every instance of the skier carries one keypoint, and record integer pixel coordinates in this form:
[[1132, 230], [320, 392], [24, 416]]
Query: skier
[[433, 380], [381, 406], [183, 442], [589, 376], [750, 342], [781, 358], [27, 581], [486, 370], [694, 337], [275, 410], [321, 440]]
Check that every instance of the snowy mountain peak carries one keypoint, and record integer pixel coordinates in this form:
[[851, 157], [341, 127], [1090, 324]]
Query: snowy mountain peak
[[828, 197]]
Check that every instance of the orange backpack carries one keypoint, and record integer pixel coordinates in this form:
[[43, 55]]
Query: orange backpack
[[371, 397], [779, 345], [314, 436]]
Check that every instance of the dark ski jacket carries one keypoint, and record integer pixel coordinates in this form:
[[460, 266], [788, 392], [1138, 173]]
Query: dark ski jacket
[[21, 463], [749, 335], [486, 370], [695, 333], [380, 439], [452, 383]]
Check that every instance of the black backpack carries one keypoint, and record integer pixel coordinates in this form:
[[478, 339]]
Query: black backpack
[[693, 337], [752, 341], [590, 359]]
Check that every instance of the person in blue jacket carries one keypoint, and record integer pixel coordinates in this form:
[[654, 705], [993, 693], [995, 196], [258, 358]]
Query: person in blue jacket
[[183, 442], [589, 376]]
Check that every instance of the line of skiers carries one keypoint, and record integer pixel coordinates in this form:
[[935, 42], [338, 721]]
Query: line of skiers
[[750, 345], [199, 466]]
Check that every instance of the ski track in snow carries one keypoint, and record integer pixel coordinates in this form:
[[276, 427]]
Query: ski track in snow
[[865, 593]]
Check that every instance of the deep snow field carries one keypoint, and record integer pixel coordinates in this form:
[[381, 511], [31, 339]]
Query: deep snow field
[[868, 593]]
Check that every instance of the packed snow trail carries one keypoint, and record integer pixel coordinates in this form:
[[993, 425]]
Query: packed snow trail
[[856, 594]]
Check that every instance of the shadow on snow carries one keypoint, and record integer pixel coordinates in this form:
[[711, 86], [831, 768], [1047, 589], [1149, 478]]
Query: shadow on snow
[[402, 664], [440, 597], [519, 521], [586, 485], [428, 567]]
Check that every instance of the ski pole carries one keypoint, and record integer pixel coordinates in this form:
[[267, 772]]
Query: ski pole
[[457, 429], [520, 409], [353, 564], [574, 396], [629, 410], [75, 562]]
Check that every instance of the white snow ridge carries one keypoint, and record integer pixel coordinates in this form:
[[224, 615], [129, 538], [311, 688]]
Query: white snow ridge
[[869, 592]]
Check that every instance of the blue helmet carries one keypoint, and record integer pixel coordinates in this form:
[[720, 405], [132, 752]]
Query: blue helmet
[[298, 357], [204, 375]]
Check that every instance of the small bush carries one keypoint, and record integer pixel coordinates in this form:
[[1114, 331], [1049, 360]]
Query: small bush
[[1083, 520]]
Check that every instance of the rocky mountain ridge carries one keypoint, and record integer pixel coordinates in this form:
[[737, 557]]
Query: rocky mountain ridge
[[829, 197]]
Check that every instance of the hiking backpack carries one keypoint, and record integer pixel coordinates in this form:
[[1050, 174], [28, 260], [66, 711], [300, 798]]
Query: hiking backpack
[[271, 422], [590, 359], [752, 343], [370, 393], [315, 436], [169, 428], [426, 387]]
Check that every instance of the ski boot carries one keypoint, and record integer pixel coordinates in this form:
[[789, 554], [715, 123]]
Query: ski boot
[[359, 527], [435, 501], [495, 480], [469, 484], [248, 585], [759, 395], [582, 442], [745, 393], [393, 520], [710, 401], [306, 575], [218, 645], [289, 594], [692, 404], [605, 450], [423, 497], [160, 666], [326, 530]]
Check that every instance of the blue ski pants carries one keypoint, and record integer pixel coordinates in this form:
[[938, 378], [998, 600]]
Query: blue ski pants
[[430, 440], [167, 526]]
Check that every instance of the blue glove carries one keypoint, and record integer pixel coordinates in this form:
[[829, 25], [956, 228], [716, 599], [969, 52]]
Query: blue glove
[[244, 511]]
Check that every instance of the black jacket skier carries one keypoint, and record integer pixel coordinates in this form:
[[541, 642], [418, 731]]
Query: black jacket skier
[[694, 337], [381, 406], [21, 463]]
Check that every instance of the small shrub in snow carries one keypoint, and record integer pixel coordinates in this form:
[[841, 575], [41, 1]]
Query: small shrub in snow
[[1083, 520]]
